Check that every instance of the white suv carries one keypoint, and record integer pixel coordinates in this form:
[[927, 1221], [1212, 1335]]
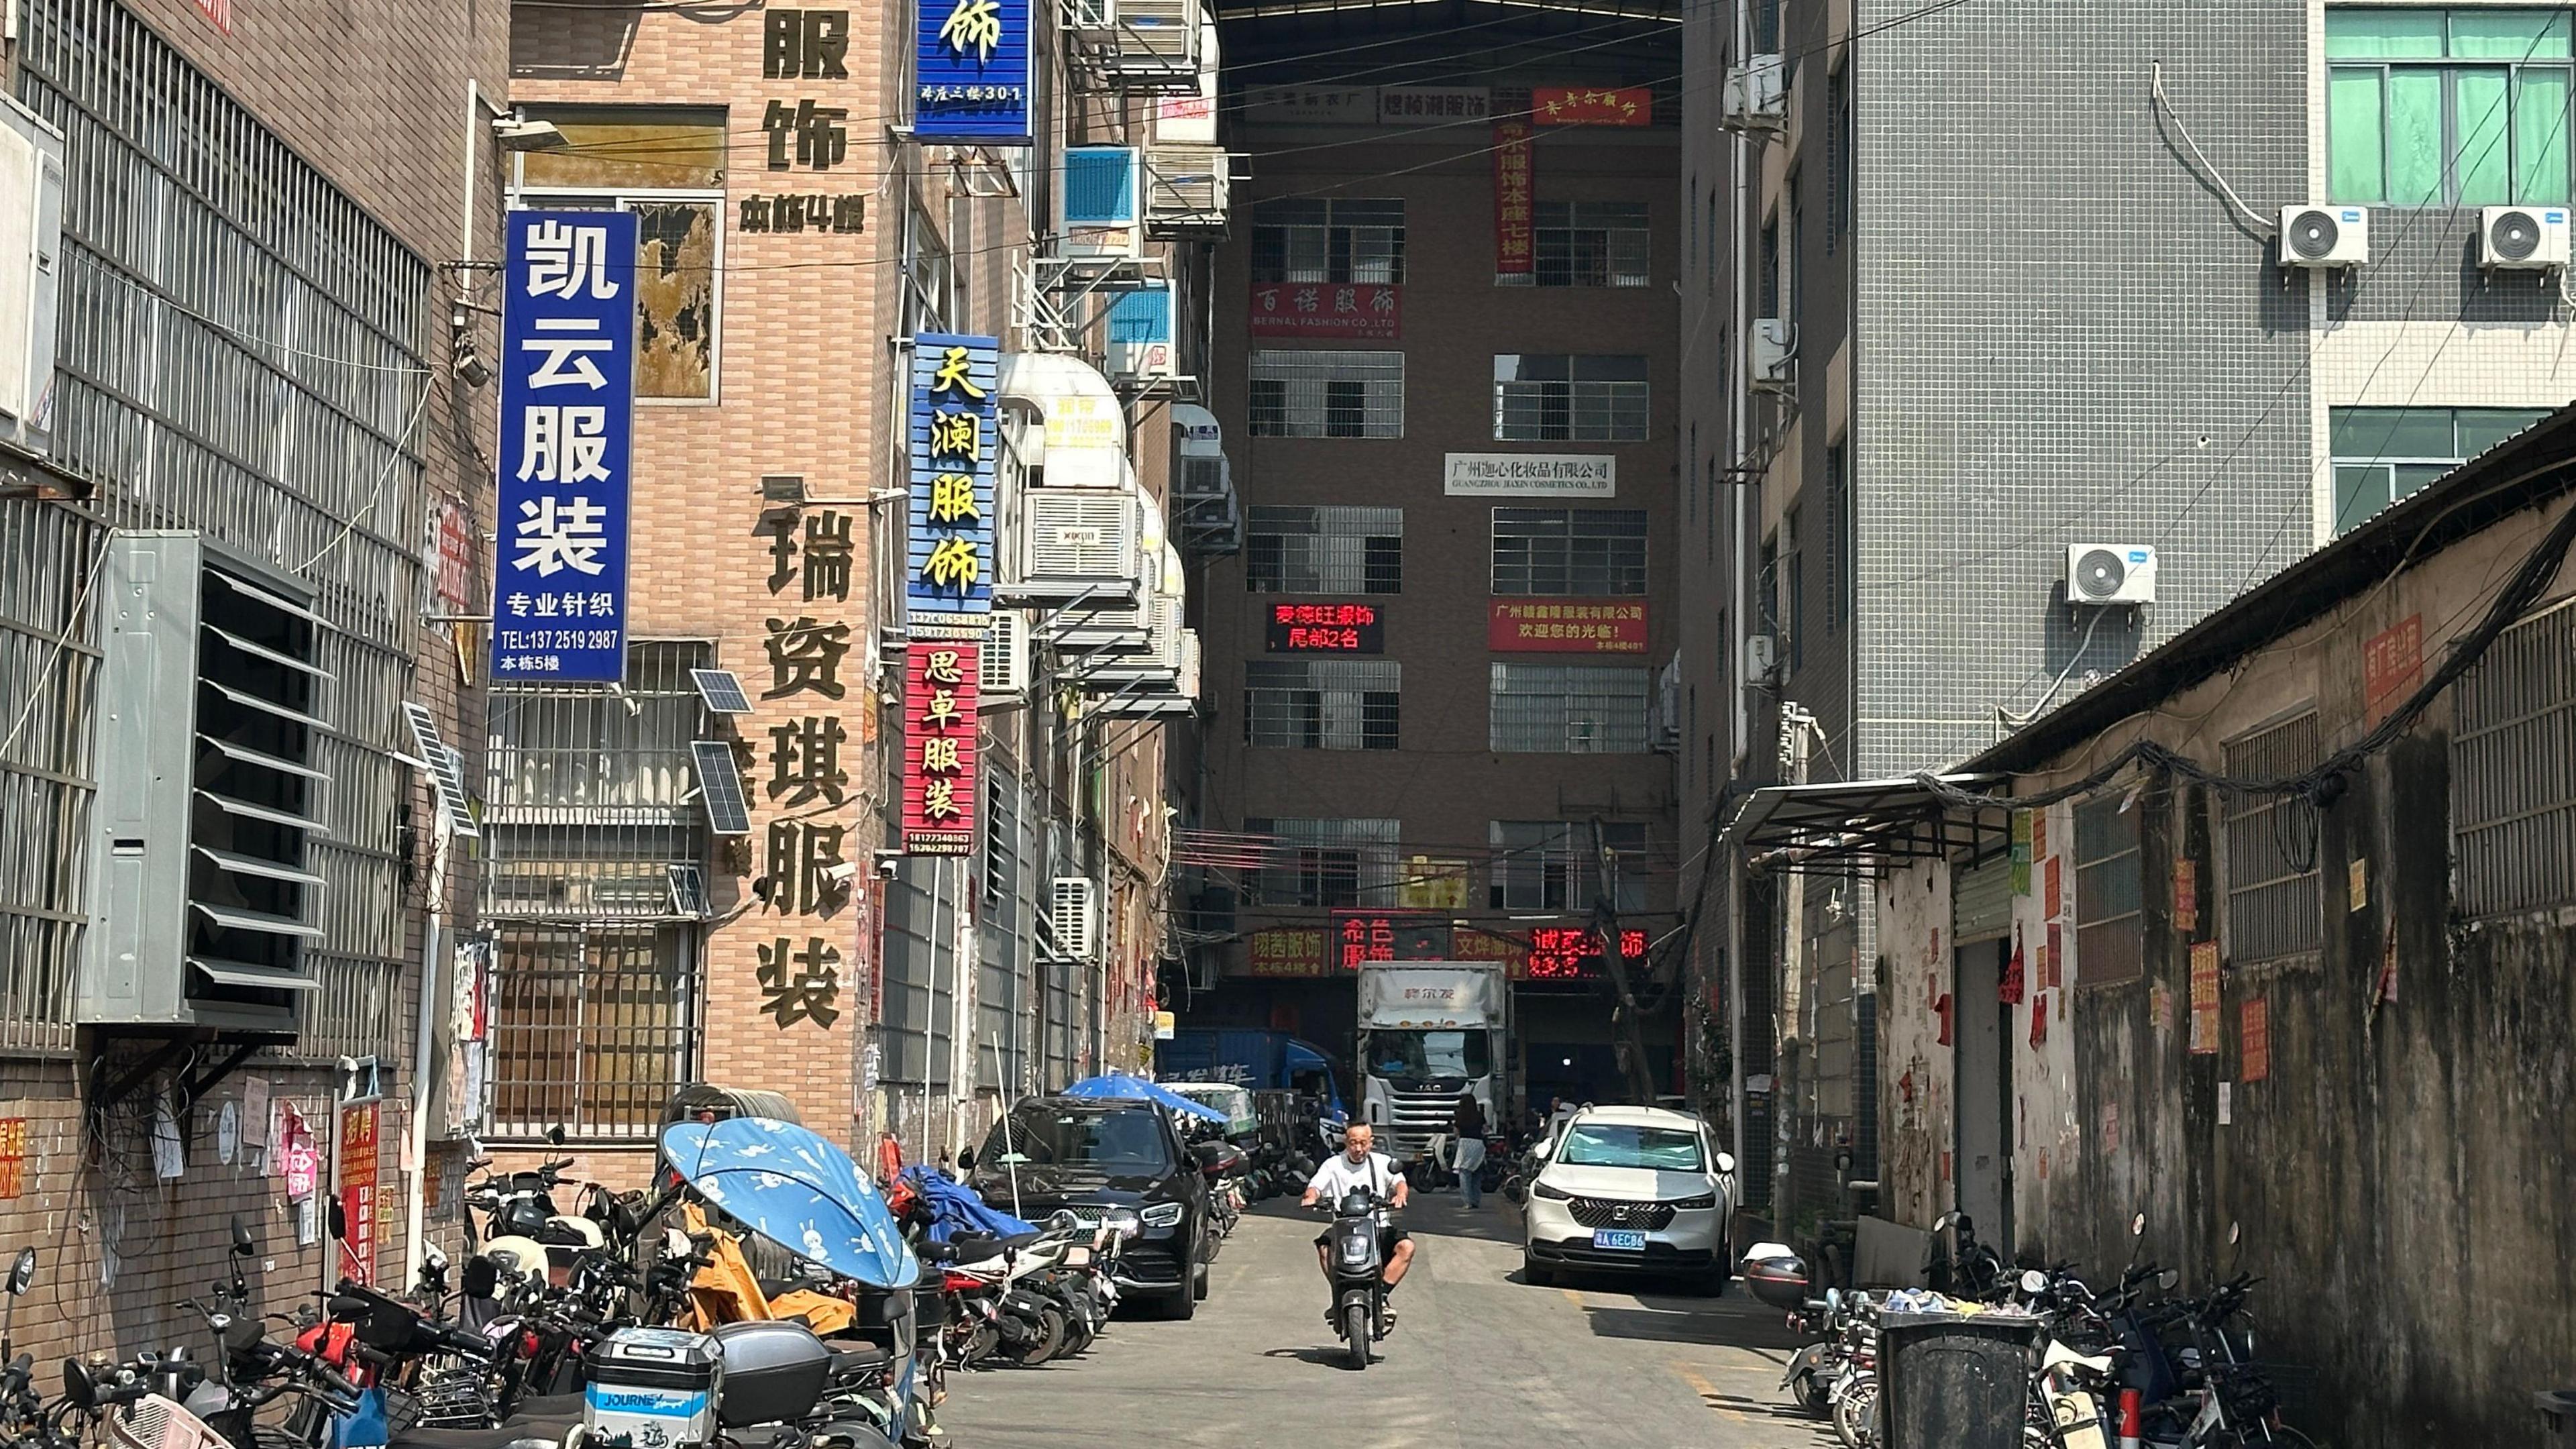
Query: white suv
[[1631, 1190]]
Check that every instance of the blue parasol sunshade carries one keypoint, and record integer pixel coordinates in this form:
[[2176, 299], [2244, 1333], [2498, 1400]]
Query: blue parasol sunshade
[[796, 1189]]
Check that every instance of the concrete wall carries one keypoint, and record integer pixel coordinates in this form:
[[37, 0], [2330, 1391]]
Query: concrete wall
[[2393, 1172]]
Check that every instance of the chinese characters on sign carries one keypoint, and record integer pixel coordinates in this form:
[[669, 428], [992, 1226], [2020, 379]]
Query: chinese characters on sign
[[846, 215], [567, 412], [357, 1187], [1512, 475], [971, 59], [1575, 106], [1328, 309], [1432, 105], [1325, 629], [2392, 667], [805, 45], [939, 778], [954, 382], [800, 982], [1513, 168], [2254, 1039], [819, 135], [2204, 998], [1286, 952], [1566, 626], [1565, 953], [1360, 936]]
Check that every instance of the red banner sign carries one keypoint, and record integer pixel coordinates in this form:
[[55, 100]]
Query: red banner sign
[[1566, 626], [939, 781], [1371, 310], [1567, 953], [1514, 174], [2254, 1039], [1387, 936], [1325, 629], [2392, 667], [357, 1186], [1575, 106]]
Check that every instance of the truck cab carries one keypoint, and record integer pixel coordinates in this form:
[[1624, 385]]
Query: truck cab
[[1430, 1032]]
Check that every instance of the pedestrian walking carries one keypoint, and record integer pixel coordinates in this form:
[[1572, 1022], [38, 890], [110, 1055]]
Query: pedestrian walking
[[1468, 1124]]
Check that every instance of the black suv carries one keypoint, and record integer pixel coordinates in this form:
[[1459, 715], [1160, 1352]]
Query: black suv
[[1087, 1156]]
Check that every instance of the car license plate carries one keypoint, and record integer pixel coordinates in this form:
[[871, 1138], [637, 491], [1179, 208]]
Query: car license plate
[[1619, 1240]]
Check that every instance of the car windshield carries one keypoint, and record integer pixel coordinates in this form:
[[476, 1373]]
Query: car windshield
[[1120, 1140], [1428, 1054], [1606, 1144]]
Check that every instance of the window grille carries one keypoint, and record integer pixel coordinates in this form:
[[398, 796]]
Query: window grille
[[2110, 927], [48, 670], [1588, 244], [1327, 394], [2275, 900], [1326, 862], [1569, 709], [1321, 704], [2513, 770], [1560, 397], [1325, 550], [1549, 865], [591, 1027], [1574, 552], [1328, 240]]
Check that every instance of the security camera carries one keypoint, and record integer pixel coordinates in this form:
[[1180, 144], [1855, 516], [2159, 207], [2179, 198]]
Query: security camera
[[887, 860], [841, 874]]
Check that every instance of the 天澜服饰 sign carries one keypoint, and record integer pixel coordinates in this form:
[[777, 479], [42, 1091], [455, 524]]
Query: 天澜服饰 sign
[[567, 422], [1530, 475], [955, 383]]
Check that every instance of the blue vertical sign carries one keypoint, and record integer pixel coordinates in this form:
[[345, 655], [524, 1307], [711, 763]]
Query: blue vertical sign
[[973, 62], [955, 381], [567, 428]]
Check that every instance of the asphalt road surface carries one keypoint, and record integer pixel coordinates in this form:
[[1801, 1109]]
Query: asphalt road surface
[[1478, 1360]]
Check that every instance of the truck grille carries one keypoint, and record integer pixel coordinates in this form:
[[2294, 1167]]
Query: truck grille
[[1603, 1212], [1414, 1118]]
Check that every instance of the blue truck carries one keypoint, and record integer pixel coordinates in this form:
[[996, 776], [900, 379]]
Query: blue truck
[[1265, 1061]]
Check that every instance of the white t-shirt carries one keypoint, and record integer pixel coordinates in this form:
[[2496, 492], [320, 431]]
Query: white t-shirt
[[1339, 1175]]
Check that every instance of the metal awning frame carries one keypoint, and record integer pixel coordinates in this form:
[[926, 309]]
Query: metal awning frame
[[1839, 826]]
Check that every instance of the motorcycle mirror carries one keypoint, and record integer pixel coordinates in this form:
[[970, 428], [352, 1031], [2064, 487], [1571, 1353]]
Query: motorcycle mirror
[[2138, 1226], [22, 1273], [242, 1243], [1833, 1300], [1942, 1223], [555, 1134], [78, 1386], [2168, 1278], [339, 1218], [1726, 1162], [2234, 1232], [2034, 1282], [965, 1159]]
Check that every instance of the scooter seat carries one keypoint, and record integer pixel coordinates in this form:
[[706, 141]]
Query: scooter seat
[[976, 1250], [549, 1406], [852, 1362]]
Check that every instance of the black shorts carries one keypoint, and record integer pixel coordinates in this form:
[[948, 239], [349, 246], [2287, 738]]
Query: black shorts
[[1387, 1238]]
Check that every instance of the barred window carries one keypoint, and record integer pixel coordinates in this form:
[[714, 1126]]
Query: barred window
[[2513, 774], [2110, 927], [1328, 240], [1325, 862], [591, 1026], [2275, 898], [1569, 709], [1549, 865], [1324, 550], [1327, 394], [1560, 397], [1575, 552], [1588, 244], [1321, 704]]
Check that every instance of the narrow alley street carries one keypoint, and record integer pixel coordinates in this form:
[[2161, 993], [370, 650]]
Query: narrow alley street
[[1477, 1359]]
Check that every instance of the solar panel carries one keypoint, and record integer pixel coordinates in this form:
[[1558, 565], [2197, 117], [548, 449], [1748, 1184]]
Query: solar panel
[[722, 690], [446, 770], [720, 787], [688, 891]]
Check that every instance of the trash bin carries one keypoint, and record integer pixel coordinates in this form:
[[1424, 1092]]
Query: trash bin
[[1954, 1380]]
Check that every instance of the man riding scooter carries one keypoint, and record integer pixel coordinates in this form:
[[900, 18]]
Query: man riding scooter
[[1355, 1166]]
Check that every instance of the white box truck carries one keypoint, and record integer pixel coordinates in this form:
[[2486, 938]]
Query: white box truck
[[1428, 1032]]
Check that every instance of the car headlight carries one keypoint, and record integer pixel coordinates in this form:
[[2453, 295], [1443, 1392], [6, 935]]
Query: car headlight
[[1122, 1222], [1161, 1215], [1552, 1194], [1704, 1201]]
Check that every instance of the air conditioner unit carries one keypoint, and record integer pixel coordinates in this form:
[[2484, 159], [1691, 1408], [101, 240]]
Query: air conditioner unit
[[1081, 535], [1140, 335], [1774, 349], [31, 239], [210, 782], [1003, 667], [1100, 203], [1761, 657], [2110, 573], [1073, 915], [2325, 236], [1757, 95], [1157, 44], [2523, 238], [1186, 188], [1189, 682], [1089, 17]]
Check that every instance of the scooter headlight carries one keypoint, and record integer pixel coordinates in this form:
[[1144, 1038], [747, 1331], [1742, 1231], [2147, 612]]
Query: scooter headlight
[[1161, 1215]]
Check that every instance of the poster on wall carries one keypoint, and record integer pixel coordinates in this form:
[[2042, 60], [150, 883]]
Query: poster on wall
[[567, 421], [356, 1182], [2204, 998]]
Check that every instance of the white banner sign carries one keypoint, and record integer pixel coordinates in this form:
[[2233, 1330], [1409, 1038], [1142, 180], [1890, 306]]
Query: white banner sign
[[1550, 475], [1433, 105], [1312, 105]]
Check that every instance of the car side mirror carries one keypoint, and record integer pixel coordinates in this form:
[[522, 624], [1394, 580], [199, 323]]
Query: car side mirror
[[1543, 1150], [22, 1273], [1726, 1162]]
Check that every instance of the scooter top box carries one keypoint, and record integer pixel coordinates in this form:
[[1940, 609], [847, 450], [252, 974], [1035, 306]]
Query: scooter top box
[[654, 1388], [1780, 1282]]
